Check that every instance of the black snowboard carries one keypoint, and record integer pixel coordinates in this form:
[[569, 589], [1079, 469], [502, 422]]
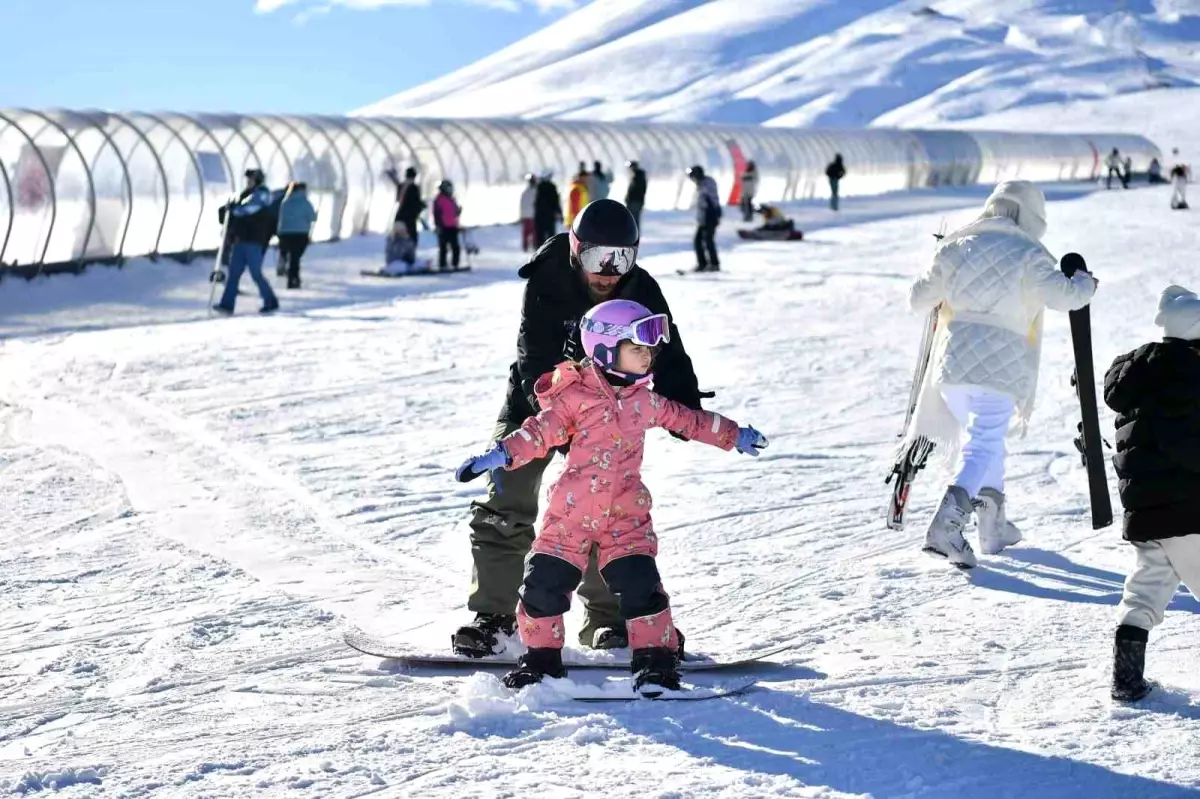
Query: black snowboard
[[1089, 442]]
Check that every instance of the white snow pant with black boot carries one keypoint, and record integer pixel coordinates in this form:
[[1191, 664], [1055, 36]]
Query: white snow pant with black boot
[[1161, 567], [1179, 196], [985, 416]]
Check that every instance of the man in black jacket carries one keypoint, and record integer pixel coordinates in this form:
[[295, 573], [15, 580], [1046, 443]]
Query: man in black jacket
[[635, 195], [1155, 391], [567, 276], [409, 204], [547, 210]]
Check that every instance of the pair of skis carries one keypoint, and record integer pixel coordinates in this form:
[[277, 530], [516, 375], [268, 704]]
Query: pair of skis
[[913, 458]]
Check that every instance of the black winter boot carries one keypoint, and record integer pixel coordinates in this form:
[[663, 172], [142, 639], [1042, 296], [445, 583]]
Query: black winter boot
[[535, 664], [654, 670], [1129, 663], [480, 638]]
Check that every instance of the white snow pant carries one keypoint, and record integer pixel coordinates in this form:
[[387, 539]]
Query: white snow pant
[[1161, 567], [1180, 195], [985, 416]]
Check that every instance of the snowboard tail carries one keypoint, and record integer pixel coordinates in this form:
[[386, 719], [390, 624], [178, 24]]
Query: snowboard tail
[[424, 270], [1089, 442]]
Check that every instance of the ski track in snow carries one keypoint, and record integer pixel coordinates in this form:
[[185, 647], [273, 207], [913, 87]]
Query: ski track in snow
[[196, 510]]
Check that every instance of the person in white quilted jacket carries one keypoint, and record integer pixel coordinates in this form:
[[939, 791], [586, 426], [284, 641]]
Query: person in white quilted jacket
[[991, 281]]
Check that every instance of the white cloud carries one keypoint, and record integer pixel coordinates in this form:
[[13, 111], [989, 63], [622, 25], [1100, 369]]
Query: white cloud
[[310, 7]]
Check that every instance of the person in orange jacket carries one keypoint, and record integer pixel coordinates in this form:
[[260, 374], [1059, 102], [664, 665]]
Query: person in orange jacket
[[577, 195]]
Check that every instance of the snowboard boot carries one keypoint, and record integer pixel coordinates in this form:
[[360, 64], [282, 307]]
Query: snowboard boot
[[1129, 663], [995, 531], [945, 535], [654, 671], [535, 664], [610, 638], [481, 637]]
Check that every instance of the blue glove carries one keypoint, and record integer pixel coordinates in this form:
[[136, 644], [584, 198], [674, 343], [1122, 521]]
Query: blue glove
[[750, 441], [472, 467]]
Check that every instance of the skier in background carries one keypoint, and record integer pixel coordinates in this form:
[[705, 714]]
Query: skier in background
[[1155, 391], [601, 407], [1154, 173], [598, 182], [749, 190], [635, 195], [296, 218], [707, 205], [572, 272], [1114, 164], [251, 227], [446, 212], [835, 172], [992, 280], [528, 207], [577, 195], [547, 210], [409, 204], [1179, 180]]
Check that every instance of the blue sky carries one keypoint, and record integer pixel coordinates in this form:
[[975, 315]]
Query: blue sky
[[300, 56]]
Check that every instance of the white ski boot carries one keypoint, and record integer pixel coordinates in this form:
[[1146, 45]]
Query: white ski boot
[[944, 538], [995, 531]]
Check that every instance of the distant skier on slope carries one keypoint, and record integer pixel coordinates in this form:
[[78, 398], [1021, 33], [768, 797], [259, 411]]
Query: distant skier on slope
[[707, 205], [1180, 174], [601, 407], [992, 280], [547, 210], [1155, 391], [571, 273], [835, 172], [635, 195], [1115, 165]]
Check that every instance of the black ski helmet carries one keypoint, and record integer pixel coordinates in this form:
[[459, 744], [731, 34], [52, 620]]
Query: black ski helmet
[[410, 173], [256, 176], [604, 223], [695, 172]]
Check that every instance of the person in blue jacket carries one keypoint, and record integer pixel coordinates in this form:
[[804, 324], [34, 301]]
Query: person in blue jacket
[[251, 228], [296, 218]]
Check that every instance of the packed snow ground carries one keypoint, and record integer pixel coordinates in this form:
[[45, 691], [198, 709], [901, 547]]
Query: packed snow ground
[[194, 510]]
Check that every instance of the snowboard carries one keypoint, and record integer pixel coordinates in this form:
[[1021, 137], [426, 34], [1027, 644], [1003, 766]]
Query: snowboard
[[611, 659], [911, 459], [428, 269], [687, 693], [1089, 442], [217, 275], [758, 234]]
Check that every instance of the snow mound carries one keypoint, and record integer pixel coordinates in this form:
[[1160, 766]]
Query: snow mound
[[814, 62]]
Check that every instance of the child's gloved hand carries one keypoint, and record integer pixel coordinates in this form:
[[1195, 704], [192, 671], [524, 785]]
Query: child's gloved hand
[[750, 441], [472, 467]]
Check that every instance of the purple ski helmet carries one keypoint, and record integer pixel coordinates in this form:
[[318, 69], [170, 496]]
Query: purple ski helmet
[[605, 326]]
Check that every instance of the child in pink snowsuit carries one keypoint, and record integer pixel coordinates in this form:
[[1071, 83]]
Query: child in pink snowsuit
[[602, 407]]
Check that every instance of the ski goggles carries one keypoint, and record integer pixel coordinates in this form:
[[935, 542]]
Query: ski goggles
[[600, 259], [649, 331]]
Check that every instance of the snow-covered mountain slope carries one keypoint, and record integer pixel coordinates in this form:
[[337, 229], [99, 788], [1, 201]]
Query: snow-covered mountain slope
[[820, 62], [192, 512]]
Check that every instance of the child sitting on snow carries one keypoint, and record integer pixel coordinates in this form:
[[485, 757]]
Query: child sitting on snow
[[774, 219], [401, 252], [603, 408], [1155, 391]]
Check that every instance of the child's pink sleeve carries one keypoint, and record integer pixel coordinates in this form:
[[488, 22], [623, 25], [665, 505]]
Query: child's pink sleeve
[[537, 436], [706, 426]]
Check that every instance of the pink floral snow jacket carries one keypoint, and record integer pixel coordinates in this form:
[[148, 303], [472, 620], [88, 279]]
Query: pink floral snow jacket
[[601, 488]]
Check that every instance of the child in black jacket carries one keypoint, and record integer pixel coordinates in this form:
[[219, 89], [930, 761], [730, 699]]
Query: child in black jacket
[[1155, 391]]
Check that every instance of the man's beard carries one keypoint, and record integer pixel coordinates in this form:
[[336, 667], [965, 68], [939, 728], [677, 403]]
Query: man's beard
[[601, 293]]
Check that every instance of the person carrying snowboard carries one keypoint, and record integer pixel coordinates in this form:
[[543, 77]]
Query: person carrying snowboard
[[571, 273], [602, 407], [992, 281], [1155, 391], [251, 227]]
